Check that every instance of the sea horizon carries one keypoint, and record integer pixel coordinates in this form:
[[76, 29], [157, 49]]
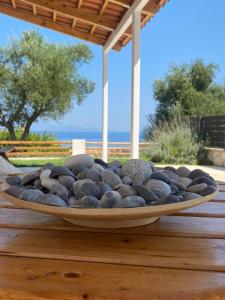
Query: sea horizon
[[113, 136]]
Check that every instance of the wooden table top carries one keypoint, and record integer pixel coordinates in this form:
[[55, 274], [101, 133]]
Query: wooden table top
[[181, 256]]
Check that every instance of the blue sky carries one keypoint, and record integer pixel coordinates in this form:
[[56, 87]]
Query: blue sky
[[181, 32]]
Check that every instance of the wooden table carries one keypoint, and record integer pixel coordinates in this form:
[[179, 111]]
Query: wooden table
[[179, 257]]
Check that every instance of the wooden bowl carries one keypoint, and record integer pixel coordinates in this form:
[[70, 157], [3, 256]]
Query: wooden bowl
[[111, 217]]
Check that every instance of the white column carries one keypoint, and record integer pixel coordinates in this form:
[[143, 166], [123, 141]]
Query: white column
[[104, 106], [135, 104]]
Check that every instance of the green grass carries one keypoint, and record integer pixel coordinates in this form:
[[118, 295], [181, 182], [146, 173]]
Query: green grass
[[58, 161]]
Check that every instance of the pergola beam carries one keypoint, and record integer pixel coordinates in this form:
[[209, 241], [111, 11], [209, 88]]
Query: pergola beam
[[77, 13], [124, 23], [104, 106], [41, 21]]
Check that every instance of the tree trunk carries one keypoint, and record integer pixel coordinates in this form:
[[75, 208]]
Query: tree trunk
[[26, 131], [11, 132]]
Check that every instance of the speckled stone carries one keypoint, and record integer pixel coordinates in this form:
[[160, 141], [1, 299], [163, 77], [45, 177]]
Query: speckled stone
[[137, 170], [78, 163], [110, 178], [159, 175], [110, 199], [183, 172], [127, 190], [198, 188], [87, 202], [146, 194], [130, 202], [158, 187]]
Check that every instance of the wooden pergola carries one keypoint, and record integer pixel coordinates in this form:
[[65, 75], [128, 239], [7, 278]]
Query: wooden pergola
[[109, 23]]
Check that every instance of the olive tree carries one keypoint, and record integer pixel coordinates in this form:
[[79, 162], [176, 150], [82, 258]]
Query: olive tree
[[40, 80]]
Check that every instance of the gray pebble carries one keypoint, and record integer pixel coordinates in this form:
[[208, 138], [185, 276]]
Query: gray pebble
[[197, 188], [29, 178], [126, 190], [208, 190], [190, 196], [45, 174], [127, 180], [159, 175], [66, 180], [110, 178], [197, 173], [130, 202], [169, 199], [90, 189], [50, 199], [59, 170], [91, 173], [103, 188], [15, 191], [77, 185], [31, 195], [13, 180], [78, 163], [146, 194], [110, 199], [171, 175], [183, 172], [160, 188], [87, 202], [55, 188]]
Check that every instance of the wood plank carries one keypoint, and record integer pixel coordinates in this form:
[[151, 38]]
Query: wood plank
[[208, 209], [219, 198], [149, 251], [166, 226], [66, 280]]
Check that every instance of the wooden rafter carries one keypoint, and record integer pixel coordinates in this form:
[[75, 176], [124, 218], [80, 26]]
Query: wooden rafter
[[34, 10], [41, 21], [13, 3], [74, 23], [100, 13], [79, 3], [54, 16]]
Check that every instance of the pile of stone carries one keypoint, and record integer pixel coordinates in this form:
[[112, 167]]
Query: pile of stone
[[84, 182]]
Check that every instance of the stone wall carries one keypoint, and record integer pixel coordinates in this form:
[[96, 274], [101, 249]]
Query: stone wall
[[216, 156]]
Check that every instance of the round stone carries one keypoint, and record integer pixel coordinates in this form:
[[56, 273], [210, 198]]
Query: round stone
[[13, 180], [110, 178], [146, 194], [159, 175], [90, 189], [66, 180], [158, 187], [15, 191], [28, 179], [137, 170], [77, 186], [169, 168], [116, 163], [92, 174], [103, 188], [203, 179], [78, 163], [55, 188], [110, 199], [101, 162], [45, 174], [178, 184], [183, 172], [169, 199], [185, 181], [87, 202], [190, 196], [198, 188], [99, 168], [126, 190], [171, 175], [130, 202], [72, 201], [127, 180]]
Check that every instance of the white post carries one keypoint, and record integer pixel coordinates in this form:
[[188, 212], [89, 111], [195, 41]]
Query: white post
[[78, 147], [104, 106], [135, 105]]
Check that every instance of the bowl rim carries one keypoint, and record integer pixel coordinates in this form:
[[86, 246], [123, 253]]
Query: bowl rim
[[136, 212]]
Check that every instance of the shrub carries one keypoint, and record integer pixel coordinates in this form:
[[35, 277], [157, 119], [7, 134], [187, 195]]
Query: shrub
[[173, 142], [33, 136]]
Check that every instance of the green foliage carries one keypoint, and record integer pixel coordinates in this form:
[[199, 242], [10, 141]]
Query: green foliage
[[39, 79], [189, 90], [173, 142], [33, 136]]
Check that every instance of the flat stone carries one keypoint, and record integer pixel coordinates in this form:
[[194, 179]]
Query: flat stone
[[50, 199], [190, 196], [137, 170], [160, 175], [198, 188], [87, 202], [130, 202], [197, 173], [178, 184], [55, 188], [110, 199], [183, 172], [13, 180], [78, 163], [59, 170], [91, 173], [169, 199], [210, 189], [146, 194], [110, 178], [31, 195], [185, 181], [158, 187], [202, 179], [171, 175], [101, 162], [126, 190], [45, 174], [29, 178], [15, 191]]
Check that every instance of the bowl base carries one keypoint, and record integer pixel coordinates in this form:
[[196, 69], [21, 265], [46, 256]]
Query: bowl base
[[112, 224]]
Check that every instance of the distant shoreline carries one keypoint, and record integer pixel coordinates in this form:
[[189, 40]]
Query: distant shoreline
[[90, 135]]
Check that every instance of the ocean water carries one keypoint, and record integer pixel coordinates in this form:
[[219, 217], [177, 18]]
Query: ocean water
[[93, 136]]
